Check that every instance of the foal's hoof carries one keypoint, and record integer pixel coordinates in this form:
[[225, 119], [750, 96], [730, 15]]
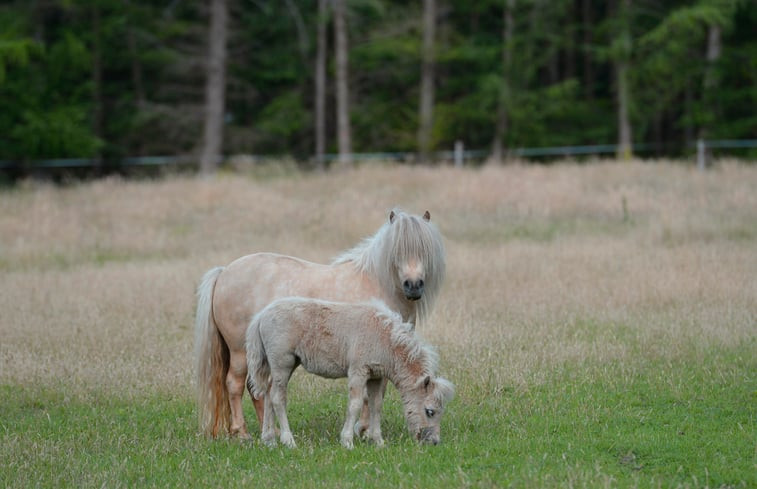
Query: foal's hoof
[[360, 429], [288, 440]]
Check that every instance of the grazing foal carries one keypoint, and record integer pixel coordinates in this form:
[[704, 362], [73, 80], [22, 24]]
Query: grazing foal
[[364, 342]]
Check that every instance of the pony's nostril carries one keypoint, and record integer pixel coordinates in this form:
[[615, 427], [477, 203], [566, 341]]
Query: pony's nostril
[[406, 284], [420, 284]]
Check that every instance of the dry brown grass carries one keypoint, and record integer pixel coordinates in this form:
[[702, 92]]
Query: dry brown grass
[[545, 268]]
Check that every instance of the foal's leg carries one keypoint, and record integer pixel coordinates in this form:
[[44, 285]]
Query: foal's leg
[[282, 367], [365, 415], [356, 383], [236, 380], [375, 402], [269, 423]]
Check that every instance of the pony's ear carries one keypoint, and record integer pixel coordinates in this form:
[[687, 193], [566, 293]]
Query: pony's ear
[[392, 215], [427, 216], [445, 390], [426, 382]]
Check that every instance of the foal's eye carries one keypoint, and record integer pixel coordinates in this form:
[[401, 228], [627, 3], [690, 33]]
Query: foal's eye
[[430, 413]]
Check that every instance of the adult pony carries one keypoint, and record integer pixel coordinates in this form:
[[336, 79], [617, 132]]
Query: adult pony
[[364, 342], [402, 265]]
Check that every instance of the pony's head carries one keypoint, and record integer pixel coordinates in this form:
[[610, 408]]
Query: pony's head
[[424, 407], [413, 258], [406, 256]]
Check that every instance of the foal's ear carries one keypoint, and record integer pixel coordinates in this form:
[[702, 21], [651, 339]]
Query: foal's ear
[[392, 215], [426, 382], [427, 216]]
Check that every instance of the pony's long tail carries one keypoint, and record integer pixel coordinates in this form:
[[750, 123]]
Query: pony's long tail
[[258, 369], [212, 362]]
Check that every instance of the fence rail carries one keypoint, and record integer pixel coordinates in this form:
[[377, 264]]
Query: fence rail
[[458, 155]]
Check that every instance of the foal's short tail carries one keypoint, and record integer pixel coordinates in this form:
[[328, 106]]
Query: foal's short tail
[[212, 362], [258, 369]]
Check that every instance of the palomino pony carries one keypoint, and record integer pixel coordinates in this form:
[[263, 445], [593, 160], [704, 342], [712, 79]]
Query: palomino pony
[[402, 265], [363, 342]]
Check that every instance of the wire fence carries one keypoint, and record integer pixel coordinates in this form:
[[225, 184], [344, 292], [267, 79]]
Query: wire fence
[[459, 156]]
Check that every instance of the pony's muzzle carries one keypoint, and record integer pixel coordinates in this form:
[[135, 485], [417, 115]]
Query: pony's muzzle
[[413, 289], [427, 435]]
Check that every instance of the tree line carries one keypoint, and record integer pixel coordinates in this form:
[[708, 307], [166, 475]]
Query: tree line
[[107, 79]]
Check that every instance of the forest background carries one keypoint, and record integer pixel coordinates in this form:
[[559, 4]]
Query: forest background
[[110, 79]]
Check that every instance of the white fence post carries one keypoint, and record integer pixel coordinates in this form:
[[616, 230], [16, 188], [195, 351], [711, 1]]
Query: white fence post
[[459, 156], [701, 155]]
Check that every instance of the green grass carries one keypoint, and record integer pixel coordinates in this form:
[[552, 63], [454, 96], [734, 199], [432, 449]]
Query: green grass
[[689, 422]]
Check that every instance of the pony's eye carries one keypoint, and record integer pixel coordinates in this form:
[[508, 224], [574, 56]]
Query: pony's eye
[[430, 413]]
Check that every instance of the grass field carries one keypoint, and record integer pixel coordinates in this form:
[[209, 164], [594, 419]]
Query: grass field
[[599, 322]]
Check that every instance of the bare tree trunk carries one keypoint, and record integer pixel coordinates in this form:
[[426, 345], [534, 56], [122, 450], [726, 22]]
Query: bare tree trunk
[[136, 68], [320, 87], [709, 84], [97, 83], [302, 32], [426, 110], [623, 92], [215, 88], [344, 138], [506, 89], [588, 67], [624, 124]]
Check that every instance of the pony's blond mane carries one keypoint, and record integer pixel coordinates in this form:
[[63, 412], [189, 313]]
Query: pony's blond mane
[[402, 336], [406, 237]]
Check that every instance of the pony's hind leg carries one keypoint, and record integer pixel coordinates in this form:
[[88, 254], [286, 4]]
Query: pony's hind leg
[[375, 402], [269, 423], [259, 405], [279, 404], [236, 381], [356, 383]]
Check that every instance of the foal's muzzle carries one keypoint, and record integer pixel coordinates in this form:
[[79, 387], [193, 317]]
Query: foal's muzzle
[[413, 289], [427, 435]]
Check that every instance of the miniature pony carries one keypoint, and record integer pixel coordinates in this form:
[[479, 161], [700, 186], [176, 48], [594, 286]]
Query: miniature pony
[[364, 342], [402, 264]]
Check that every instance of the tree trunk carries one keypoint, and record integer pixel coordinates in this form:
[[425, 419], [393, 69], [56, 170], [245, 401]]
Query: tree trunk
[[426, 110], [97, 83], [500, 130], [215, 88], [709, 85], [623, 92], [588, 67], [320, 87], [344, 138]]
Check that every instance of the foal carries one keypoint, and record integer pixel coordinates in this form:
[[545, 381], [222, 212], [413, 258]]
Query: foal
[[364, 342]]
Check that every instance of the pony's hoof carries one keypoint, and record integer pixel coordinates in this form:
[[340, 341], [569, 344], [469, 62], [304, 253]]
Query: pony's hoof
[[347, 443], [288, 440], [360, 429], [379, 442], [269, 441]]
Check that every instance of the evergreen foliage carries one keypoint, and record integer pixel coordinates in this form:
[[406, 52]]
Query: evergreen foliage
[[107, 79]]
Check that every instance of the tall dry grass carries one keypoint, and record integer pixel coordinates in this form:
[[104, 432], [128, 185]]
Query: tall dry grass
[[548, 267]]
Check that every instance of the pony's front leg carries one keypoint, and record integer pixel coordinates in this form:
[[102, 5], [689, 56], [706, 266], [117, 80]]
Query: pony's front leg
[[365, 416], [278, 395], [236, 380], [375, 402], [356, 385]]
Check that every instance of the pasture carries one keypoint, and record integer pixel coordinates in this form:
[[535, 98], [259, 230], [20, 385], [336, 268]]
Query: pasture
[[599, 322]]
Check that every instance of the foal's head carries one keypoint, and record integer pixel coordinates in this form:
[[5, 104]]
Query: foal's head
[[424, 407]]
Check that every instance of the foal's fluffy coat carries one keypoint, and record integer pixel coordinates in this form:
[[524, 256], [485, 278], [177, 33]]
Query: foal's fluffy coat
[[364, 342]]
